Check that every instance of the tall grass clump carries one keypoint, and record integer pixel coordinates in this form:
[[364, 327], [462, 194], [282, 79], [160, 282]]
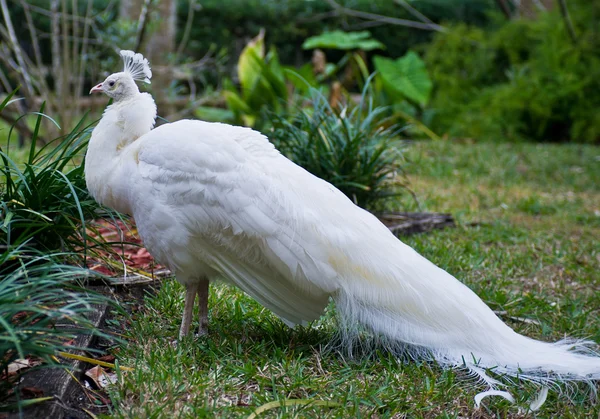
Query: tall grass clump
[[43, 308], [44, 201], [43, 212], [355, 148]]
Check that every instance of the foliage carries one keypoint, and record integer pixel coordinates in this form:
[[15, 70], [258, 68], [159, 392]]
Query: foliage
[[524, 79], [403, 84], [43, 213], [36, 297], [406, 77], [290, 22], [343, 41], [262, 83], [56, 52], [44, 200], [350, 148]]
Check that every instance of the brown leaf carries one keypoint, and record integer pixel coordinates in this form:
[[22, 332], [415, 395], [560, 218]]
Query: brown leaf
[[100, 377], [18, 364], [107, 358]]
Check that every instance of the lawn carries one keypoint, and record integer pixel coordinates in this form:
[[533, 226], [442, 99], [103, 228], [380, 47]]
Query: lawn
[[527, 242]]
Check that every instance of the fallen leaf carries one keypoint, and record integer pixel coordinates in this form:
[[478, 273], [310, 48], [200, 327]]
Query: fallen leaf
[[100, 377], [107, 358], [18, 364]]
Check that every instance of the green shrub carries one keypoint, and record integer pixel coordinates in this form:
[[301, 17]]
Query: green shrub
[[355, 149], [523, 80]]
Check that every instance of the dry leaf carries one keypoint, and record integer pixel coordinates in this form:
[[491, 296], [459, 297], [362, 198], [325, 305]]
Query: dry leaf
[[100, 377], [107, 358], [18, 364]]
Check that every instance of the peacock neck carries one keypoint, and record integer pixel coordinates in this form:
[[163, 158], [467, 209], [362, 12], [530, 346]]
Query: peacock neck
[[109, 152]]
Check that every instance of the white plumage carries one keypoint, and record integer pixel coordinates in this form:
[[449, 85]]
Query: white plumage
[[218, 201]]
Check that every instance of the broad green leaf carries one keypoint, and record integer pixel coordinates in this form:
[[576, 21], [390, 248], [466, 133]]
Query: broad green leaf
[[343, 41], [209, 113], [406, 76], [236, 103], [249, 69], [274, 74]]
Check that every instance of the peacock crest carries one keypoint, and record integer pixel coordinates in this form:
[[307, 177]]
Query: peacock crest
[[136, 66]]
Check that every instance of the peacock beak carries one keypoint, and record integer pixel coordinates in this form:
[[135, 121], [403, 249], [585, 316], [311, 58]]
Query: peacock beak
[[97, 88]]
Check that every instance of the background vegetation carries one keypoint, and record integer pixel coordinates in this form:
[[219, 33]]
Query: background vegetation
[[448, 94]]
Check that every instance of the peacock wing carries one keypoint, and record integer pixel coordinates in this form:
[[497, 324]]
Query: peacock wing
[[225, 207]]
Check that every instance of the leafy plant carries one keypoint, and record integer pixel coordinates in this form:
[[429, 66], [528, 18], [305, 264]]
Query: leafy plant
[[353, 62], [343, 41], [355, 149], [262, 83], [405, 78]]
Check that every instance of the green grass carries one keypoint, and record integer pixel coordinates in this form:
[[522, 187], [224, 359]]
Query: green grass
[[527, 243]]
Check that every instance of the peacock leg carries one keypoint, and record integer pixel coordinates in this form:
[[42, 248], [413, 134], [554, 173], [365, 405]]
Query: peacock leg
[[203, 301], [190, 296]]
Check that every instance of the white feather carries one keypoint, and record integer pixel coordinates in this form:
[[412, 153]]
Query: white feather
[[136, 66], [214, 200]]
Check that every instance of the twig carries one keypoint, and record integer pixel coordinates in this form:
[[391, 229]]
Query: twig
[[16, 47], [141, 27], [385, 19], [33, 34], [83, 60], [188, 27], [505, 9], [567, 18], [539, 5], [318, 17], [414, 11], [55, 45], [518, 319]]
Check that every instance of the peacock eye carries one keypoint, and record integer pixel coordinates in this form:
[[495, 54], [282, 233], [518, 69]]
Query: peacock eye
[[111, 83]]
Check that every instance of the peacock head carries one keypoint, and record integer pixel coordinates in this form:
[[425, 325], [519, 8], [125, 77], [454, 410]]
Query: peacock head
[[122, 85]]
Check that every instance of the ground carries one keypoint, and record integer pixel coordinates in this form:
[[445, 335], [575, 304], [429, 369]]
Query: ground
[[527, 242]]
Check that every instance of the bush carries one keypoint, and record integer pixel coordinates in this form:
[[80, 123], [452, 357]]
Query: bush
[[523, 80], [354, 149]]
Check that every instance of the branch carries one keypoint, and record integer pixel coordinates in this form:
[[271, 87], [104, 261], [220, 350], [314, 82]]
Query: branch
[[414, 11], [16, 47], [539, 5], [141, 27], [385, 19], [505, 8], [32, 33], [567, 18], [188, 27]]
